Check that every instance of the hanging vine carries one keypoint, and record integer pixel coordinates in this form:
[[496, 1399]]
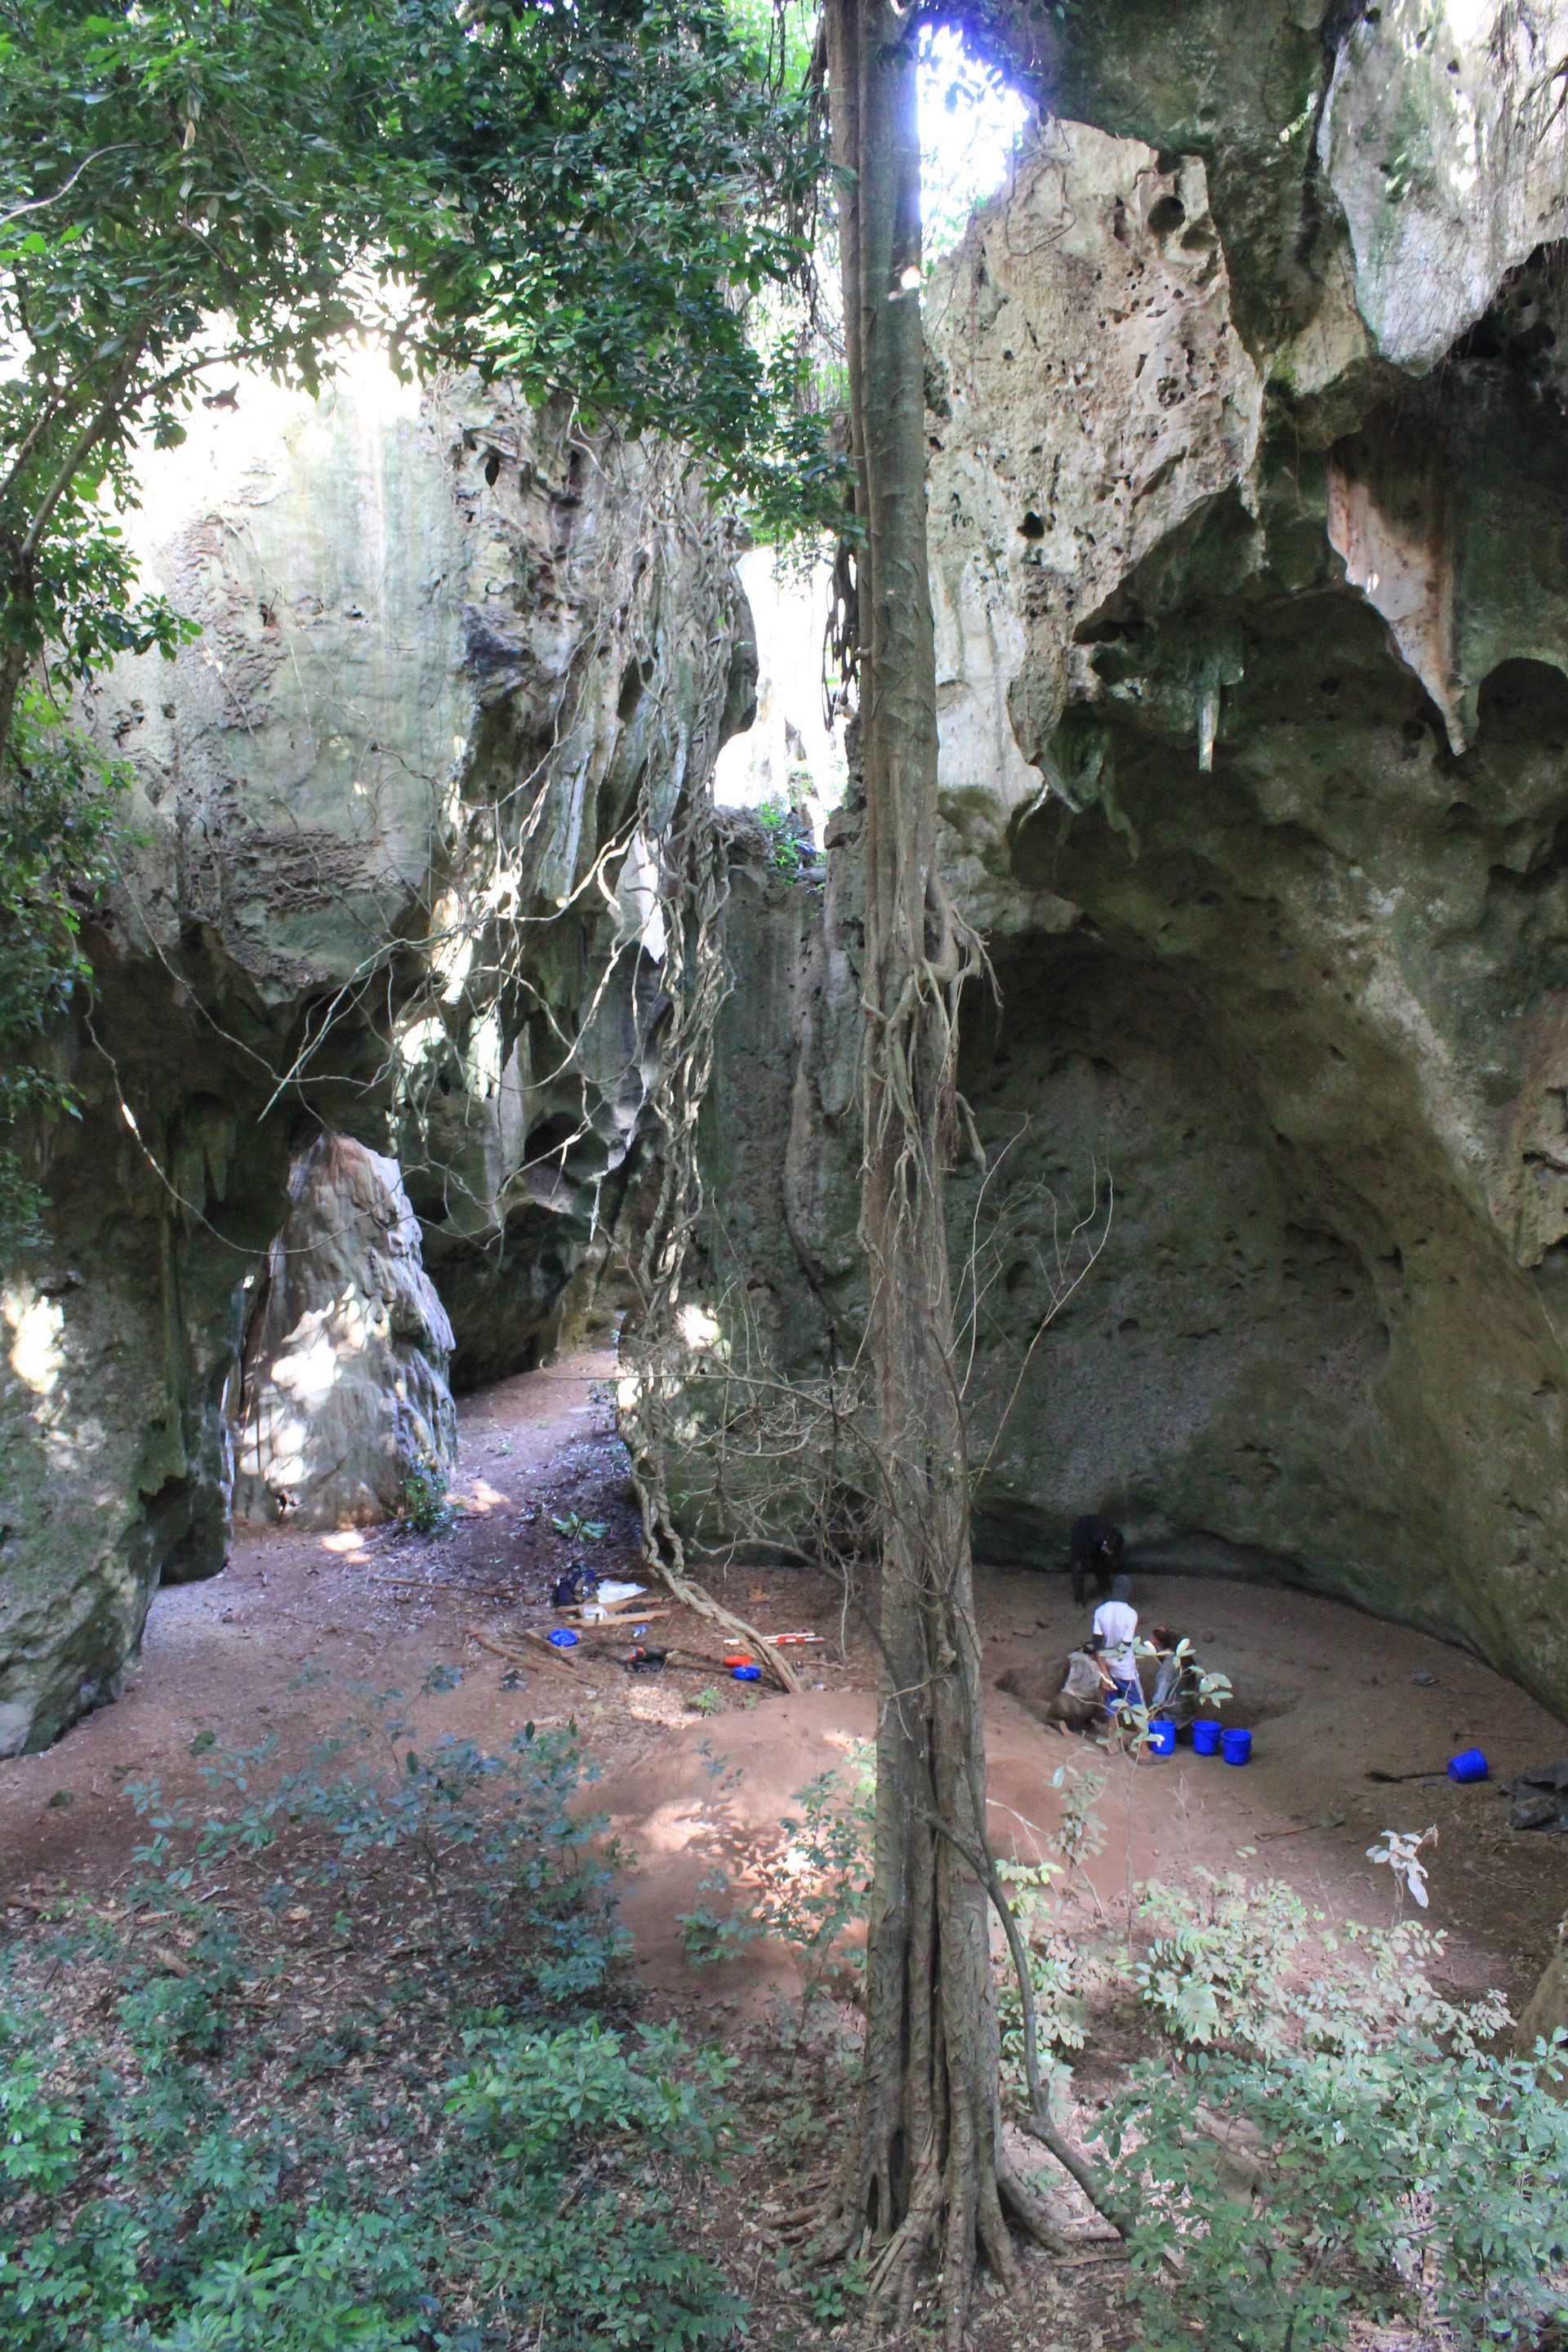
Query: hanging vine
[[657, 1351]]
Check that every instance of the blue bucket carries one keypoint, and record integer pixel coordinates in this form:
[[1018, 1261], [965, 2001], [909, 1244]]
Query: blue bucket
[[564, 1638], [747, 1674], [1206, 1739], [1236, 1747], [1162, 1735], [1470, 1764]]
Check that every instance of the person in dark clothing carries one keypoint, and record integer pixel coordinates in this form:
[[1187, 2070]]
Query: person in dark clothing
[[1094, 1548]]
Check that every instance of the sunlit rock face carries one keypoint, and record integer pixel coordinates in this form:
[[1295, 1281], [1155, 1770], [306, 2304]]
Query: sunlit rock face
[[387, 874], [1443, 138], [1251, 597], [344, 1401]]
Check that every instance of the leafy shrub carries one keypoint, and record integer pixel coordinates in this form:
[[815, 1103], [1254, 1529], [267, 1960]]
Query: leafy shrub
[[1400, 2179], [1329, 2138], [57, 803], [1063, 1971], [495, 2167], [812, 1890], [424, 1503], [38, 2138], [535, 2095]]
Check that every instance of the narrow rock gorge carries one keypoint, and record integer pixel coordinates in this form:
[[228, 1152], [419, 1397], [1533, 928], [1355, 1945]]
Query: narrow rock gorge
[[388, 888]]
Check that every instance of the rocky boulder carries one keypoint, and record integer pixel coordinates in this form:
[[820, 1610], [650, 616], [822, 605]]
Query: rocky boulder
[[344, 1401]]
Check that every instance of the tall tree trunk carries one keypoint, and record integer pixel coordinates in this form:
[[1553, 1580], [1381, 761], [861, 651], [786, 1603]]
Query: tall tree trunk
[[931, 2175]]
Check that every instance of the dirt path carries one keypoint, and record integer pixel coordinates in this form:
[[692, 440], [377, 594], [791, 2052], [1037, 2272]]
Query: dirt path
[[692, 1792]]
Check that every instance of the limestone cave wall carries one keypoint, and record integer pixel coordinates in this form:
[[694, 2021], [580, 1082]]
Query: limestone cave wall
[[1248, 443], [385, 876]]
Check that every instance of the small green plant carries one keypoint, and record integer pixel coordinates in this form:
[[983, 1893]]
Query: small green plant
[[786, 851], [1079, 1833], [424, 1503], [818, 1886], [832, 2296], [576, 1530], [1063, 1971], [1221, 1955], [1400, 1851], [707, 1701], [707, 1934], [39, 2140]]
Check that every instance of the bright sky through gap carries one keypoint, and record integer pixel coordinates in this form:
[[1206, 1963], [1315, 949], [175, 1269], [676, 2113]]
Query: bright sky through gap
[[969, 121]]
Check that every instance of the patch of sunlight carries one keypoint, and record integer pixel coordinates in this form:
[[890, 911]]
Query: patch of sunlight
[[674, 1828], [482, 1498], [308, 1372], [485, 1056], [637, 892], [790, 756], [971, 122], [1464, 23], [349, 1540], [454, 955], [696, 1326], [38, 1329], [420, 1039], [379, 394], [277, 1451]]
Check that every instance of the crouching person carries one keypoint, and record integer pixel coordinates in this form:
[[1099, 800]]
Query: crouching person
[[1069, 1694]]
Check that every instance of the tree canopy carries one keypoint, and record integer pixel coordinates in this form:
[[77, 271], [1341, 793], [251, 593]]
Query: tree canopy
[[580, 196]]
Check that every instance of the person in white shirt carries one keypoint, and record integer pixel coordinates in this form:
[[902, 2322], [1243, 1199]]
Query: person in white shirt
[[1116, 1631]]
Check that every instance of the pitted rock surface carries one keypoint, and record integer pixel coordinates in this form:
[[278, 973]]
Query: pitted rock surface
[[346, 1400]]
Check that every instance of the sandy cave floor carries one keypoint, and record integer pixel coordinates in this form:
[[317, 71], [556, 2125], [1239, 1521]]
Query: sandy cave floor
[[688, 1793], [380, 1608]]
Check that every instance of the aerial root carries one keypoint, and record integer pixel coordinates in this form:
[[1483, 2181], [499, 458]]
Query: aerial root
[[1032, 2214]]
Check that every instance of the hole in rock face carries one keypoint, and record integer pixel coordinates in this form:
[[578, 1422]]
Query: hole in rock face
[[492, 469], [634, 679], [553, 1136], [1031, 526], [1524, 705], [1167, 215]]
